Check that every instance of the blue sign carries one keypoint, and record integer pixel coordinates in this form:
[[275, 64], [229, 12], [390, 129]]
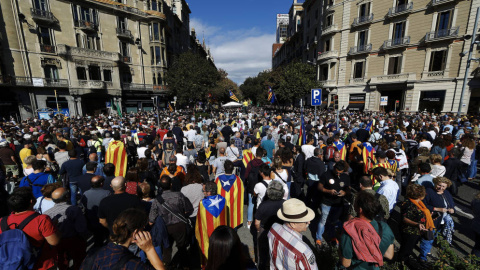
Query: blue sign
[[316, 97]]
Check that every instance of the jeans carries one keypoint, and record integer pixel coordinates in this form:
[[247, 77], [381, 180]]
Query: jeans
[[323, 221], [99, 154], [73, 192], [426, 246], [289, 185], [250, 208]]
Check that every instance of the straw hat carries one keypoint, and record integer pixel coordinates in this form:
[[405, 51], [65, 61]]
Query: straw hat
[[294, 210]]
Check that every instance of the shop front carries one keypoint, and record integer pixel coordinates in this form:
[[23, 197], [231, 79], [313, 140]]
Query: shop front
[[356, 102], [431, 101]]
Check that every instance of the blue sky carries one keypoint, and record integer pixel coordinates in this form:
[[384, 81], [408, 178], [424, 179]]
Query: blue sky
[[240, 33]]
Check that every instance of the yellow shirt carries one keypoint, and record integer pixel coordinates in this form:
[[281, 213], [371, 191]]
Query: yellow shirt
[[25, 152], [69, 144]]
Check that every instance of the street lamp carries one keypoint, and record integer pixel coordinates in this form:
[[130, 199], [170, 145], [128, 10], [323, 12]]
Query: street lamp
[[155, 101]]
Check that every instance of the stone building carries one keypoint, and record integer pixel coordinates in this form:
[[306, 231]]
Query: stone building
[[92, 53]]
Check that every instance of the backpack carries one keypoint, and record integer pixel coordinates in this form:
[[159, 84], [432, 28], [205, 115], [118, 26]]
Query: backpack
[[330, 152], [166, 157], [82, 143], [381, 213], [253, 178], [15, 249]]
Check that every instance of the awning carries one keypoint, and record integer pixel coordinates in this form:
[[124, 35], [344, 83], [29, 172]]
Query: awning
[[355, 106]]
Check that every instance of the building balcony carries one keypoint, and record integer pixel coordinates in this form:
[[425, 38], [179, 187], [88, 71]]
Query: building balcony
[[47, 48], [124, 33], [44, 16], [137, 87], [396, 43], [441, 2], [86, 25], [393, 78], [36, 82], [360, 49], [92, 84], [357, 81], [433, 75], [363, 20], [329, 8], [400, 10], [329, 29], [328, 83], [327, 55], [443, 34], [65, 50]]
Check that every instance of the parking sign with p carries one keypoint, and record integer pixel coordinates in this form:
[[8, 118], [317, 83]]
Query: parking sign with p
[[316, 97]]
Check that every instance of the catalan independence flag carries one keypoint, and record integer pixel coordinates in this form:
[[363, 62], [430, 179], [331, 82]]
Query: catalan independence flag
[[231, 188], [368, 154], [271, 95], [370, 126], [302, 135], [341, 148], [117, 155], [170, 108], [247, 157], [211, 214], [232, 96]]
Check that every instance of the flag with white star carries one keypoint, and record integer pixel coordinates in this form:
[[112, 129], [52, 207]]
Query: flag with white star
[[211, 214], [232, 189]]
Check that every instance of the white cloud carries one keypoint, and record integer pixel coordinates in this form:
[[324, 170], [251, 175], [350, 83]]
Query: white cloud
[[241, 52]]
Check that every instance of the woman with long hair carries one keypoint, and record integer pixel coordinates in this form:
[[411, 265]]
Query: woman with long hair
[[225, 250], [203, 165], [132, 180], [468, 151], [193, 189], [280, 174]]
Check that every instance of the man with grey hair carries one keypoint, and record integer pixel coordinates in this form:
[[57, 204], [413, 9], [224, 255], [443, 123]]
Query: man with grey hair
[[265, 216], [111, 206], [218, 163]]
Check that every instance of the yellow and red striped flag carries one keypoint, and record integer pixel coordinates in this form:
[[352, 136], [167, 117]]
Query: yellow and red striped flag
[[170, 108], [117, 155], [247, 156], [232, 95], [231, 188], [368, 154], [211, 214]]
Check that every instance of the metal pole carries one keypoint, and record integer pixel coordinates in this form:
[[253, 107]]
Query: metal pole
[[469, 59], [338, 112], [158, 111], [315, 119], [56, 100]]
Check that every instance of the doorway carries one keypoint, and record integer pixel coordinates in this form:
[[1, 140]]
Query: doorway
[[395, 97]]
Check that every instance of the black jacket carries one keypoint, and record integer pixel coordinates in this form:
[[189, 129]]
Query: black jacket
[[315, 166], [453, 168], [299, 169]]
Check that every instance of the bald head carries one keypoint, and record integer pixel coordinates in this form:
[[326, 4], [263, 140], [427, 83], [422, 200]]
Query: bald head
[[60, 195], [118, 183], [93, 157], [97, 181]]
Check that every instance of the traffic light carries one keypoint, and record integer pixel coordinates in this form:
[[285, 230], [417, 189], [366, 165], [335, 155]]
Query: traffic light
[[335, 102]]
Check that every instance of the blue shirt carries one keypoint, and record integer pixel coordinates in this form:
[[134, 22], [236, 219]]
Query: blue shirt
[[389, 189], [38, 181], [269, 146], [98, 172], [426, 181]]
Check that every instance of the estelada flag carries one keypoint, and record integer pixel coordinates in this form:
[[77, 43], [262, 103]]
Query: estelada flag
[[232, 189], [247, 157], [117, 155], [341, 148], [211, 214], [368, 154], [370, 126]]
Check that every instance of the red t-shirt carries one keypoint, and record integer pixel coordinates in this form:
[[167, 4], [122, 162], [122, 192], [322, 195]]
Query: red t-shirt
[[161, 133], [39, 228]]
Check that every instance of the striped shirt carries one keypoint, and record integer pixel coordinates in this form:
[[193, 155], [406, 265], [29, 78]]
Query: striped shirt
[[288, 251]]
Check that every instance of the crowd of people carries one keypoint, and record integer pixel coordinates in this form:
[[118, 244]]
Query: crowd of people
[[120, 192]]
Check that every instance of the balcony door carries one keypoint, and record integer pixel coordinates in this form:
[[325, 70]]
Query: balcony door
[[364, 11], [40, 5], [362, 40], [121, 23], [51, 73], [44, 36], [444, 22], [398, 33]]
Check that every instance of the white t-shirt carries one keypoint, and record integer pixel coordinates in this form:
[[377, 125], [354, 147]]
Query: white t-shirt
[[141, 152], [308, 150], [426, 144], [191, 135], [182, 161], [260, 189], [232, 153], [282, 177]]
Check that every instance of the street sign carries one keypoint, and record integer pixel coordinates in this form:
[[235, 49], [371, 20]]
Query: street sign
[[316, 97], [384, 101], [108, 104]]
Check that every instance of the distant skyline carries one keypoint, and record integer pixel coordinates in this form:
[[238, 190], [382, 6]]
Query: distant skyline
[[240, 34]]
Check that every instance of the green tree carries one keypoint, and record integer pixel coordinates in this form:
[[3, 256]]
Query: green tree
[[296, 80], [190, 77], [220, 91]]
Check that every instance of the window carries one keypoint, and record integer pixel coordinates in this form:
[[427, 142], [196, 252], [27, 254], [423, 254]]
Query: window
[[159, 79], [107, 75], [78, 39], [329, 3], [329, 20], [401, 3], [156, 55], [398, 33], [364, 10], [126, 76], [438, 60], [155, 31], [51, 72], [444, 22], [122, 23], [93, 42], [327, 46], [323, 72], [124, 49], [44, 36], [81, 73], [394, 65], [359, 70], [40, 4], [94, 73], [84, 14], [154, 79], [362, 40]]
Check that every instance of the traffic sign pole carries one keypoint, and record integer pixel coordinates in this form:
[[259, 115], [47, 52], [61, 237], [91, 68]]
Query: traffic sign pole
[[316, 100]]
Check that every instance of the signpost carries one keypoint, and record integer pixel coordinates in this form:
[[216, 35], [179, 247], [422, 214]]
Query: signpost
[[384, 101], [316, 100], [397, 102]]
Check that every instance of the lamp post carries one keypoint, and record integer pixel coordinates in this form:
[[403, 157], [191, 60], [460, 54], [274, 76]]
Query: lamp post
[[155, 101], [469, 60]]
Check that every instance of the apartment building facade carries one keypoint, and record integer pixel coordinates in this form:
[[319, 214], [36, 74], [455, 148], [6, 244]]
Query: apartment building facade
[[405, 50], [87, 55]]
